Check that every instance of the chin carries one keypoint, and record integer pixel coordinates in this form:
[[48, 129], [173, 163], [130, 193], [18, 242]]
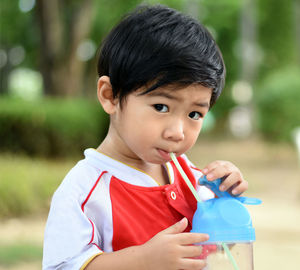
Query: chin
[[161, 162], [156, 161]]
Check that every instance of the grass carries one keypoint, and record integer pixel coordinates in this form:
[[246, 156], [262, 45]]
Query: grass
[[27, 184], [20, 252], [26, 188]]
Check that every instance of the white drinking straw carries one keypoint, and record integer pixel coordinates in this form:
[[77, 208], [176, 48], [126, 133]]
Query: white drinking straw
[[196, 195], [229, 255], [186, 179]]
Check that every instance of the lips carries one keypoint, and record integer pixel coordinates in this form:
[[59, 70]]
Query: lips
[[164, 154]]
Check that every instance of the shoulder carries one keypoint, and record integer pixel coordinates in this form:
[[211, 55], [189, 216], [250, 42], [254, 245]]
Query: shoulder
[[79, 181], [69, 229]]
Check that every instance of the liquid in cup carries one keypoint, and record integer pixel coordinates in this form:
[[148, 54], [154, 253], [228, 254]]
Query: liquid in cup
[[218, 259]]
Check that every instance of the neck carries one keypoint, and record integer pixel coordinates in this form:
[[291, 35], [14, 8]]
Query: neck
[[110, 148]]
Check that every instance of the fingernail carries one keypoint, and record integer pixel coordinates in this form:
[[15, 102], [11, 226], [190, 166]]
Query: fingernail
[[182, 221], [222, 188], [210, 176], [234, 192], [205, 171]]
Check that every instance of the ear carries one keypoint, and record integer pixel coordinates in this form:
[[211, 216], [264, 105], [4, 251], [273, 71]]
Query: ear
[[105, 95]]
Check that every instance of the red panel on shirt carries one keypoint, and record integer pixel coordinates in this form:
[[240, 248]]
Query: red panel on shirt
[[139, 213]]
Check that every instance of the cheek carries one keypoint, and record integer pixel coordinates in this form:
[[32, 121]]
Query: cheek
[[140, 134], [193, 134], [147, 133], [146, 124]]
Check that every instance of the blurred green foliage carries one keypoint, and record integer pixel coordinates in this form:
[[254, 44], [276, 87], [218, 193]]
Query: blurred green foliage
[[19, 252], [27, 184], [276, 23], [51, 127], [64, 128], [276, 40], [278, 104]]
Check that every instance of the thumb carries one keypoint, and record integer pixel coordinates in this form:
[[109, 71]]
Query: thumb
[[178, 227]]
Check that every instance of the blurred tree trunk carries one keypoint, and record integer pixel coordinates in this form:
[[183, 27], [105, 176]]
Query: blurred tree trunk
[[297, 28], [249, 66], [248, 36], [60, 37], [4, 72]]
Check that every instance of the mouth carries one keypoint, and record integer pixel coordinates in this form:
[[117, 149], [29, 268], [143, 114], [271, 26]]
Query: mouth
[[164, 154]]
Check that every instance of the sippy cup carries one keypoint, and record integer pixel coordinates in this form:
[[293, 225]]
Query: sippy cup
[[228, 223]]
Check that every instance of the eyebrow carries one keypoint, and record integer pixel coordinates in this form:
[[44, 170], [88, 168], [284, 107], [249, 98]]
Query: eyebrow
[[166, 95]]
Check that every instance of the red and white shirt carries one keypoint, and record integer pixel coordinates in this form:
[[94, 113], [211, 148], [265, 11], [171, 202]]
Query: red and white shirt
[[104, 205]]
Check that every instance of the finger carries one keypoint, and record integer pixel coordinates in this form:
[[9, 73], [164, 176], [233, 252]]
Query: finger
[[219, 172], [191, 238], [210, 166], [240, 188], [234, 178], [176, 228], [191, 251], [192, 264]]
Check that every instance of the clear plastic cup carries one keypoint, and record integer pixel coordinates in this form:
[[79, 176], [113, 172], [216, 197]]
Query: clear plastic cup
[[231, 234], [217, 258]]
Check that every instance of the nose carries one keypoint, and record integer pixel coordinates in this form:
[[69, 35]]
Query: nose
[[174, 130]]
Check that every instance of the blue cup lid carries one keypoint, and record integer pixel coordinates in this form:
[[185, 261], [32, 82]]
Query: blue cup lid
[[214, 187], [224, 220]]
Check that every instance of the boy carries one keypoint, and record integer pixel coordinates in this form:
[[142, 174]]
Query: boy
[[125, 206]]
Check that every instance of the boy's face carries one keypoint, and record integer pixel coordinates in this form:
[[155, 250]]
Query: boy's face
[[150, 126]]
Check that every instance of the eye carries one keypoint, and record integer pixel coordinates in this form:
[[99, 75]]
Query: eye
[[195, 115], [161, 108]]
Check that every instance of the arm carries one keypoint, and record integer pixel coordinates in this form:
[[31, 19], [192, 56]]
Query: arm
[[171, 249], [233, 180]]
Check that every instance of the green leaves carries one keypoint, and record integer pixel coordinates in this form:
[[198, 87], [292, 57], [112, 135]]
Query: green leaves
[[51, 127]]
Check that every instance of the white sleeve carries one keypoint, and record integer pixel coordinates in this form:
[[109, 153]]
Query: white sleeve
[[69, 235]]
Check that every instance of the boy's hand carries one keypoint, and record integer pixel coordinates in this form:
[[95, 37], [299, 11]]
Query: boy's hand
[[172, 249], [232, 177]]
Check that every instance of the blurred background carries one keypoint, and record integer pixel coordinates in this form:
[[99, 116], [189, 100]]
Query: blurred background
[[49, 113]]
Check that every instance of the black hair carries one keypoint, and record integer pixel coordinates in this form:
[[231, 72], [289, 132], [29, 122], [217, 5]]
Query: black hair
[[158, 46]]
